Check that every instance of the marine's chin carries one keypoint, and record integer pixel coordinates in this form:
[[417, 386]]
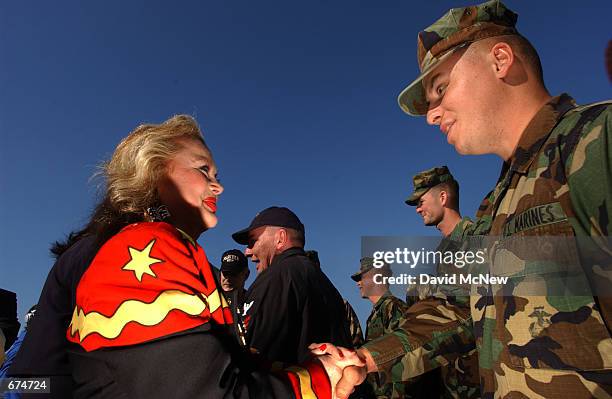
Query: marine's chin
[[469, 147], [461, 150]]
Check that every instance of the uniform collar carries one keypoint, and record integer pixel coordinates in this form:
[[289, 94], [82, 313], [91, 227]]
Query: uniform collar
[[457, 232], [381, 300], [537, 131]]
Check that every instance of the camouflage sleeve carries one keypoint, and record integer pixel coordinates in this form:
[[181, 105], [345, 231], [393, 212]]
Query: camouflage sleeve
[[433, 333], [589, 176]]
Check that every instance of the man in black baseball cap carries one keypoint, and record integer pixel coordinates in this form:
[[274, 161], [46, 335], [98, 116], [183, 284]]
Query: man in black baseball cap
[[291, 303], [233, 276], [272, 231], [234, 270]]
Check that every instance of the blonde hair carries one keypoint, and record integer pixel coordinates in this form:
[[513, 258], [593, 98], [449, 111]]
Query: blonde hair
[[131, 178], [140, 160]]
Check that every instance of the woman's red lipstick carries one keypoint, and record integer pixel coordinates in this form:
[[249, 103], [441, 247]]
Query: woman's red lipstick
[[211, 203]]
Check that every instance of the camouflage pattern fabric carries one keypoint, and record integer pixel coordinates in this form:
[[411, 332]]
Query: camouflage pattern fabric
[[427, 179], [418, 292], [456, 28], [431, 311], [460, 376], [385, 317], [549, 346], [366, 264], [532, 346]]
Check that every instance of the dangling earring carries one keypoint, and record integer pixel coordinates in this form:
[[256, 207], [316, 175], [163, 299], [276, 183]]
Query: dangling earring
[[158, 213]]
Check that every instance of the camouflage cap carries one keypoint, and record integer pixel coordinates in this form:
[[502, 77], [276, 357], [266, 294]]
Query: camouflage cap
[[457, 28], [427, 179], [365, 265]]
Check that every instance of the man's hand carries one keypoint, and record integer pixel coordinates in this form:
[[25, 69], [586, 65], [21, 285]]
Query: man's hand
[[346, 368]]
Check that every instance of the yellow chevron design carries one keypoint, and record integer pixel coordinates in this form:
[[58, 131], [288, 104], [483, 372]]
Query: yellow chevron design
[[148, 314], [305, 382]]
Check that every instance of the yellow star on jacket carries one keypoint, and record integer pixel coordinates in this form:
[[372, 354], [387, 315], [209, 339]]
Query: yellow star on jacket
[[141, 261]]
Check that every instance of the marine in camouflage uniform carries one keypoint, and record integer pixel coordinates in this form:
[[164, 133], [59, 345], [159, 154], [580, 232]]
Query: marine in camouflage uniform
[[460, 377], [446, 217], [386, 316], [556, 183], [550, 345]]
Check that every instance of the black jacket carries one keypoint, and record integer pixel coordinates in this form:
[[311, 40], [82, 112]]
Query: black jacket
[[202, 363], [43, 351], [291, 305]]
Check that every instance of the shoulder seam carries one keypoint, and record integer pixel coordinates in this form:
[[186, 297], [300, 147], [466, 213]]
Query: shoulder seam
[[583, 107]]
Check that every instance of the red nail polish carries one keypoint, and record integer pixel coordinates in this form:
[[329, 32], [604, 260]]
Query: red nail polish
[[322, 347]]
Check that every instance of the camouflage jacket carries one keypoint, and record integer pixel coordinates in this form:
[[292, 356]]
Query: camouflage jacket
[[418, 292], [385, 317], [530, 344], [460, 377]]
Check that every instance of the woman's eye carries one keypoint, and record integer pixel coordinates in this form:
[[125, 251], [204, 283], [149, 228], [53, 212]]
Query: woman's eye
[[204, 170]]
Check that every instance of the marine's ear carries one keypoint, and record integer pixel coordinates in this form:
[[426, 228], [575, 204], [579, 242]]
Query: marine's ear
[[503, 58]]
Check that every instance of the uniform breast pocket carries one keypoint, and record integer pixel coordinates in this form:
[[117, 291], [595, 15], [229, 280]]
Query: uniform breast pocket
[[561, 333], [551, 318]]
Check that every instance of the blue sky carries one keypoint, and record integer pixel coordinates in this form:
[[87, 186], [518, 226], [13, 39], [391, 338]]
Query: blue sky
[[296, 99]]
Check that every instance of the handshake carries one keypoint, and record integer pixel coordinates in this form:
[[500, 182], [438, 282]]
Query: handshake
[[346, 368]]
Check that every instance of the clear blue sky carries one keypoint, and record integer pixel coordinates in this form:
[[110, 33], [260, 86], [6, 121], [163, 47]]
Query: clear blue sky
[[296, 99]]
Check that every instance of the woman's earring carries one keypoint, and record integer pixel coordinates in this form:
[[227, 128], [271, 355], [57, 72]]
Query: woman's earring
[[158, 213]]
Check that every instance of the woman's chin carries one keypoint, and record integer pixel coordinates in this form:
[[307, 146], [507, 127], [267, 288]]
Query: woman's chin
[[210, 221]]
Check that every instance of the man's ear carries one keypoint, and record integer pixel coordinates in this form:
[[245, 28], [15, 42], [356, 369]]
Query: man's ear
[[281, 238], [443, 197], [503, 58]]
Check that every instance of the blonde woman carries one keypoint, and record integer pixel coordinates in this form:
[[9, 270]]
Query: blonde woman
[[146, 318]]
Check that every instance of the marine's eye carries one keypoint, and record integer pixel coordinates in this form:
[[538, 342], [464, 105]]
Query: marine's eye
[[440, 90]]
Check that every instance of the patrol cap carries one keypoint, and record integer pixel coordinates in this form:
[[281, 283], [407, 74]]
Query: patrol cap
[[365, 265], [456, 29], [233, 261], [427, 179], [272, 216]]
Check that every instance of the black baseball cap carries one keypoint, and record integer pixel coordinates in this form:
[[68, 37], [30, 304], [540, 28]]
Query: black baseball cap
[[233, 261], [272, 216]]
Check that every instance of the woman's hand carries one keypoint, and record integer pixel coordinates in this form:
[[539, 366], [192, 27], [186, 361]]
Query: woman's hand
[[346, 368]]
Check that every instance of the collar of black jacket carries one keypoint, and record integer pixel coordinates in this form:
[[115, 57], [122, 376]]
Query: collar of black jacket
[[286, 254]]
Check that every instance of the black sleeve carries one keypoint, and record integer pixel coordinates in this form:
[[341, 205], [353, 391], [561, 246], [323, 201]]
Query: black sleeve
[[43, 351], [193, 365]]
